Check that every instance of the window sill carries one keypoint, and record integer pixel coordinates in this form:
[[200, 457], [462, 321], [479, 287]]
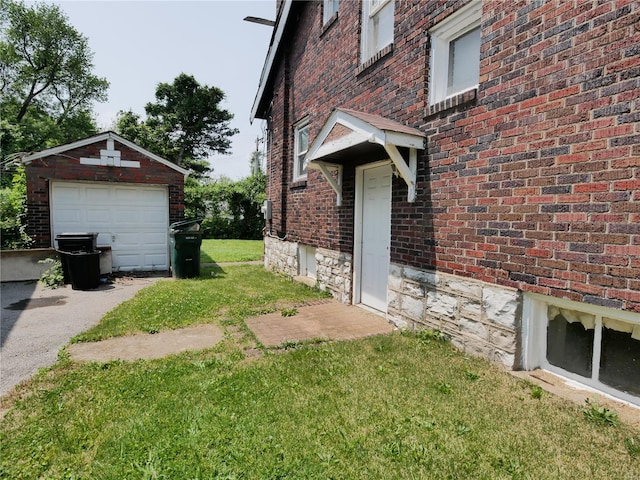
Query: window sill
[[328, 24], [376, 58], [298, 184], [452, 102]]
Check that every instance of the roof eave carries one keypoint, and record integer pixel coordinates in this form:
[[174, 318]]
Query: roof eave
[[265, 76]]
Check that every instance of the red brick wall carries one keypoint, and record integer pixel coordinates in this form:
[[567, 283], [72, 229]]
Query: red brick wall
[[545, 194], [66, 166], [533, 184]]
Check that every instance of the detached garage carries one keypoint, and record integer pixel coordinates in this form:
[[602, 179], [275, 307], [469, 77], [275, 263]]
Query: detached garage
[[109, 185]]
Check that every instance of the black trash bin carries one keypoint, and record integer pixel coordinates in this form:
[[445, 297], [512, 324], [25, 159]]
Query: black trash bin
[[75, 242], [84, 269], [185, 239]]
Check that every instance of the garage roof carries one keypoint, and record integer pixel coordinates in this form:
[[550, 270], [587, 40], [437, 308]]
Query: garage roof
[[99, 138]]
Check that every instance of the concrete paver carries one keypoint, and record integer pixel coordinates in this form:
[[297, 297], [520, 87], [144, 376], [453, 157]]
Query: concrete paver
[[147, 346], [328, 320]]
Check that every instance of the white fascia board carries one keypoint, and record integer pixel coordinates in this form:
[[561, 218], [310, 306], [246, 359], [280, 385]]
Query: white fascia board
[[334, 146], [362, 131], [404, 140], [271, 56], [147, 153], [63, 148], [101, 137], [321, 137], [373, 134]]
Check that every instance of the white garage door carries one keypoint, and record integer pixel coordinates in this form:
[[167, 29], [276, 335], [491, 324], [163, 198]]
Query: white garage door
[[133, 220]]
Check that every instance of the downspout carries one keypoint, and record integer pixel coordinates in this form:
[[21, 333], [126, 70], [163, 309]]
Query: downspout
[[286, 146]]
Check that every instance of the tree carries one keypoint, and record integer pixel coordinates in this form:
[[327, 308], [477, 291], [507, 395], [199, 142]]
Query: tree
[[185, 124], [46, 61], [46, 93], [230, 209], [13, 210], [46, 82]]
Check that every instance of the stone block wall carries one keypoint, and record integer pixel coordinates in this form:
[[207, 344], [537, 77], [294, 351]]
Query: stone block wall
[[334, 273], [333, 268], [281, 256], [480, 318]]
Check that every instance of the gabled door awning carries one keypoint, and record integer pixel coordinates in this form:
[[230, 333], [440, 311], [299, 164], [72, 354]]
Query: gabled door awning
[[348, 133]]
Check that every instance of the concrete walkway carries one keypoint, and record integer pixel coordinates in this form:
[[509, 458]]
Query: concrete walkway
[[38, 321], [325, 320], [147, 346], [328, 320]]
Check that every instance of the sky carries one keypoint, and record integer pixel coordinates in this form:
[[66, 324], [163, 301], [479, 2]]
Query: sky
[[139, 44]]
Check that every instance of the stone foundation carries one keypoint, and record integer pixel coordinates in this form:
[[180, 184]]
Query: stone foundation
[[334, 273], [281, 256], [480, 318], [333, 269]]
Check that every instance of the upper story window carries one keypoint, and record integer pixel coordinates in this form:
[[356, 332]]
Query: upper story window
[[329, 10], [301, 146], [455, 54], [377, 26]]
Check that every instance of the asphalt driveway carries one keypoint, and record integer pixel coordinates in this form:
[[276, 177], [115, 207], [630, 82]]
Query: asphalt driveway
[[37, 322]]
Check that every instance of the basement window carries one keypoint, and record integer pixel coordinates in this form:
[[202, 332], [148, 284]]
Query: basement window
[[596, 346], [307, 261]]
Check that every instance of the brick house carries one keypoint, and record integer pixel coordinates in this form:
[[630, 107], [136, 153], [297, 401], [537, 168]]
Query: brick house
[[468, 166], [109, 185]]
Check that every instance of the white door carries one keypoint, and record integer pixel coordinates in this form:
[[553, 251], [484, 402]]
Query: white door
[[375, 235], [133, 220]]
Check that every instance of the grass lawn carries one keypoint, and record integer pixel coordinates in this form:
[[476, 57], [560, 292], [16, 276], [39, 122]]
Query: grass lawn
[[388, 407], [213, 250]]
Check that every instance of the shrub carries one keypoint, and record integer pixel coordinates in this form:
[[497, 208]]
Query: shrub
[[13, 211], [53, 277]]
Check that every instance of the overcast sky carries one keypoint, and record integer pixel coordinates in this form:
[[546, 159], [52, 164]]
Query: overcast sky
[[138, 44]]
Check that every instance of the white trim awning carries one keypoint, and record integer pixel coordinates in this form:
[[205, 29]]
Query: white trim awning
[[349, 132]]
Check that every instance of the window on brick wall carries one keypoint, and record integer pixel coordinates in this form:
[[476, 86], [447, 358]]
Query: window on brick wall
[[596, 346], [330, 8], [377, 26], [300, 146], [455, 54]]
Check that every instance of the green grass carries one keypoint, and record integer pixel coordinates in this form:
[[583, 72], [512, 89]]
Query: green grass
[[373, 408], [228, 295], [218, 251], [387, 407]]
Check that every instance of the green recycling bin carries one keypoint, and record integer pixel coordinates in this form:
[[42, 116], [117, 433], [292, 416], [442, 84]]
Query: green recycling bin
[[185, 240]]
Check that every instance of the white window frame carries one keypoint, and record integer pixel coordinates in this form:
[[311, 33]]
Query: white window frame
[[307, 263], [442, 35], [299, 165], [535, 323], [370, 9], [329, 9]]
